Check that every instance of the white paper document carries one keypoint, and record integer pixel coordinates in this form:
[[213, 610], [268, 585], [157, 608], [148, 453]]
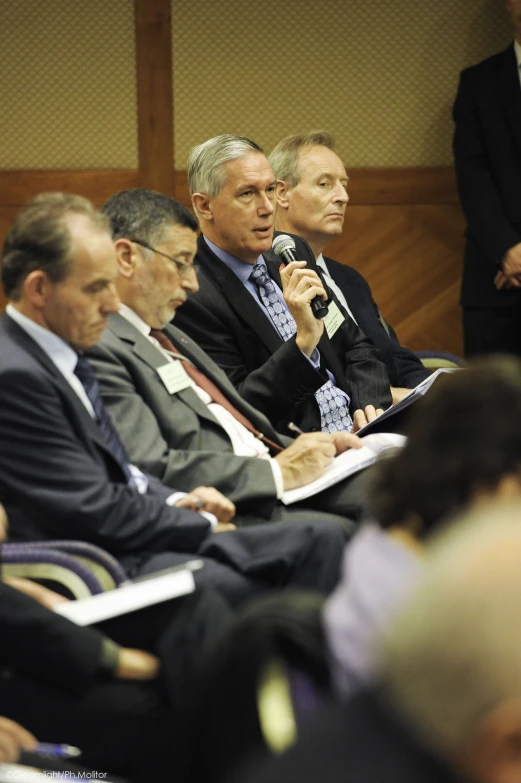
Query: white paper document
[[413, 395], [347, 464], [135, 595]]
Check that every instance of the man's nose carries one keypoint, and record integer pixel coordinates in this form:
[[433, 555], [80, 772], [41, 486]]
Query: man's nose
[[111, 301], [341, 194], [190, 282], [267, 205]]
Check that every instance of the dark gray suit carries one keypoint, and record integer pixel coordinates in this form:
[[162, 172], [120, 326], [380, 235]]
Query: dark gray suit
[[176, 437]]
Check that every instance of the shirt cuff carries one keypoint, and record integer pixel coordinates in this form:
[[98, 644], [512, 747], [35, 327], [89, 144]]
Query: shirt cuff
[[314, 359], [175, 496], [277, 477]]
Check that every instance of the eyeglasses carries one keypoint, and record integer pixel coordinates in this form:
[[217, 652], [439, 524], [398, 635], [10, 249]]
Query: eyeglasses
[[183, 268]]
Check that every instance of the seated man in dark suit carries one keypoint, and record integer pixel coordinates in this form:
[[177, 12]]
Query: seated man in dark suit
[[256, 322], [312, 186], [447, 708], [192, 426], [90, 687], [64, 472]]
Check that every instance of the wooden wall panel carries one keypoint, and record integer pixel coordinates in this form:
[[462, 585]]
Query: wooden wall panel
[[411, 256]]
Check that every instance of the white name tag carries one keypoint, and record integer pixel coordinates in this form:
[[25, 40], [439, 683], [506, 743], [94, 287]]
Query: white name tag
[[333, 320], [174, 376]]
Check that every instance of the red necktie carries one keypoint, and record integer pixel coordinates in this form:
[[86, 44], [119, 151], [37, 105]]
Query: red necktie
[[204, 383]]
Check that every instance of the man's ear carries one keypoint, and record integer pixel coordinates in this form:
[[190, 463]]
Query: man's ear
[[126, 256], [36, 287], [201, 203], [282, 192]]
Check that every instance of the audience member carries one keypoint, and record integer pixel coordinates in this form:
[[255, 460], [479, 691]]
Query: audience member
[[255, 320], [449, 463], [79, 686], [448, 703], [185, 428], [488, 168], [312, 186], [63, 469]]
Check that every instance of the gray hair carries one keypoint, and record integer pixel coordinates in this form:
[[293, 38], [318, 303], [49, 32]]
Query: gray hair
[[284, 158], [206, 162], [40, 239], [453, 652], [141, 214]]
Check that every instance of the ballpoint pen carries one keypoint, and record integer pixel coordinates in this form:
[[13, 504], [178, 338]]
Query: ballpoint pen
[[57, 750], [293, 427]]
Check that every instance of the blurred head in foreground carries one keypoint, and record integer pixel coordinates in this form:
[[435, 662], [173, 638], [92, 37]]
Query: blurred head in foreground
[[451, 663]]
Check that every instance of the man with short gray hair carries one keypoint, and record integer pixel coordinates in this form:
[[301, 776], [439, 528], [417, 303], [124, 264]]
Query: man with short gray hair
[[312, 196], [255, 319]]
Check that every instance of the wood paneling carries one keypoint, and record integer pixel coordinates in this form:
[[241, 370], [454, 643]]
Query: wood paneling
[[17, 187], [411, 256], [154, 89]]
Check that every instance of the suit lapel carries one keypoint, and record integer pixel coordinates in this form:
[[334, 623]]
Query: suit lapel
[[152, 356], [81, 415], [238, 298], [510, 91]]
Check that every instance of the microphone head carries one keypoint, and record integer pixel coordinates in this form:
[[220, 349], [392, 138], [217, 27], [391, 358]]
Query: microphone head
[[283, 243]]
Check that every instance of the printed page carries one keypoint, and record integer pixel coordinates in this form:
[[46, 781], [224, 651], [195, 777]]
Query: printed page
[[131, 596], [347, 464]]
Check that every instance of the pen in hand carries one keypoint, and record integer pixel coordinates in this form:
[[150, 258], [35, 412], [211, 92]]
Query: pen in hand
[[293, 427], [57, 751]]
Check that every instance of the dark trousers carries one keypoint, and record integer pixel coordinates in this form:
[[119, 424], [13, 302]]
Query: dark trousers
[[492, 330], [128, 728], [246, 563]]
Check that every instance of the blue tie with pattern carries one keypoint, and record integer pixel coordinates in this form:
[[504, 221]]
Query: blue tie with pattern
[[87, 377], [334, 413]]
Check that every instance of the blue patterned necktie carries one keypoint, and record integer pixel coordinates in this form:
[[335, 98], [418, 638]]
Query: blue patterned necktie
[[88, 380], [334, 413]]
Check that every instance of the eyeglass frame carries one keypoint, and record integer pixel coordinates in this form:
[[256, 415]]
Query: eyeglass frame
[[182, 267]]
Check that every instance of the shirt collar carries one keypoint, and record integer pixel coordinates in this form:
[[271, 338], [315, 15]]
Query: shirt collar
[[240, 268], [136, 320], [517, 49], [64, 357]]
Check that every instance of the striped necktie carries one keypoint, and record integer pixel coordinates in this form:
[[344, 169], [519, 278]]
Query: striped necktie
[[87, 377], [334, 413]]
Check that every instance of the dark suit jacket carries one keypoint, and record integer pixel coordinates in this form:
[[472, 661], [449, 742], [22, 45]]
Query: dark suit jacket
[[175, 436], [360, 742], [273, 375], [403, 367], [57, 477], [487, 153]]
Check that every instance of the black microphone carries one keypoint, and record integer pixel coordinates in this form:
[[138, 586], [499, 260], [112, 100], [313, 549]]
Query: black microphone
[[284, 247]]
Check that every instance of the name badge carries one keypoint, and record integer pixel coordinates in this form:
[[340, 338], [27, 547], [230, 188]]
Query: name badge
[[174, 376], [333, 320]]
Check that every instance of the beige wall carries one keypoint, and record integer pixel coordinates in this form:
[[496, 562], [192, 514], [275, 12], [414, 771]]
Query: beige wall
[[67, 84], [379, 74]]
